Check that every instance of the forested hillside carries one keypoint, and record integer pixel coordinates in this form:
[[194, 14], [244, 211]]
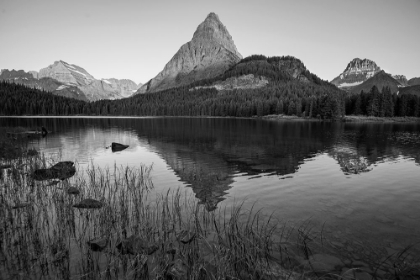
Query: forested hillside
[[383, 104], [289, 99], [17, 100]]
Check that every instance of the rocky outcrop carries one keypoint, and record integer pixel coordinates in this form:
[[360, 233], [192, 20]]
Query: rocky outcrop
[[34, 74], [242, 82], [210, 52], [293, 66], [356, 72], [401, 79], [125, 87]]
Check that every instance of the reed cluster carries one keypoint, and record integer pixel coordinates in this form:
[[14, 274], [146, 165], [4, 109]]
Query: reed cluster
[[134, 232]]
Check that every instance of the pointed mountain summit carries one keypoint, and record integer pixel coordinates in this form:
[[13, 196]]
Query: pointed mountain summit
[[356, 72], [210, 52]]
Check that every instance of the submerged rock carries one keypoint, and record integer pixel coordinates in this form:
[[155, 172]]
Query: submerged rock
[[118, 147], [98, 244], [89, 203], [61, 170], [135, 245], [73, 190]]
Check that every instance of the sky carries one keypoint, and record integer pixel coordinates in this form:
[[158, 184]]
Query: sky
[[135, 39]]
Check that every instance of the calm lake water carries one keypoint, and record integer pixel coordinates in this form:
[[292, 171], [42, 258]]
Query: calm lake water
[[359, 181]]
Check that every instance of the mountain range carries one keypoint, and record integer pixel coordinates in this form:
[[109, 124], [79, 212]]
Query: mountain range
[[363, 74], [69, 80], [207, 61]]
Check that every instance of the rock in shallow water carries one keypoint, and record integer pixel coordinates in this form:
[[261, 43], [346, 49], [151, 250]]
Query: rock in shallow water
[[61, 170], [118, 147], [73, 190]]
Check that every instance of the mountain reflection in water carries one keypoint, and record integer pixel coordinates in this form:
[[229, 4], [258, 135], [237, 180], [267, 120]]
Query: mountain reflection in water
[[206, 153]]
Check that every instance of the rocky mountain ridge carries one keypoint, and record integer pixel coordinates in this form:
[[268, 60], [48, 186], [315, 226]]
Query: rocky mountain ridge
[[210, 52], [46, 83], [401, 79], [357, 71], [242, 82], [62, 78]]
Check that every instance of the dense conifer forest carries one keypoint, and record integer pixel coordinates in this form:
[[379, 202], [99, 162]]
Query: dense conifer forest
[[383, 104], [305, 96], [290, 99]]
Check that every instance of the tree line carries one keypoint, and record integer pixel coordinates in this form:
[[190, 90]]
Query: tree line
[[291, 98], [383, 104]]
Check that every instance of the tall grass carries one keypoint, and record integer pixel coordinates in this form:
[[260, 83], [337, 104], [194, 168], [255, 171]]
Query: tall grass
[[44, 237], [140, 233]]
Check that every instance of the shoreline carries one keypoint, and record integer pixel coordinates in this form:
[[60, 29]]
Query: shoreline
[[348, 118], [352, 118]]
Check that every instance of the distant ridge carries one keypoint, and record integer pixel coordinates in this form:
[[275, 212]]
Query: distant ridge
[[380, 80], [414, 90], [414, 81]]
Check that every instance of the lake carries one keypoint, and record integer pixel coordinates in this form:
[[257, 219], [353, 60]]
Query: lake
[[357, 183]]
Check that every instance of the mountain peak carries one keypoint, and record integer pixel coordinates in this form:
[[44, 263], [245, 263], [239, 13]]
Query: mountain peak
[[212, 30], [357, 71], [210, 52], [212, 16], [358, 64]]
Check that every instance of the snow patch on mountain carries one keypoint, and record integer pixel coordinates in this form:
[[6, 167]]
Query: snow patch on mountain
[[62, 87], [349, 84], [79, 72]]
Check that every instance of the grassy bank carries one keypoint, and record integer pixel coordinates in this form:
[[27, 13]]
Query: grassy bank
[[349, 118], [381, 119], [288, 118], [138, 233]]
